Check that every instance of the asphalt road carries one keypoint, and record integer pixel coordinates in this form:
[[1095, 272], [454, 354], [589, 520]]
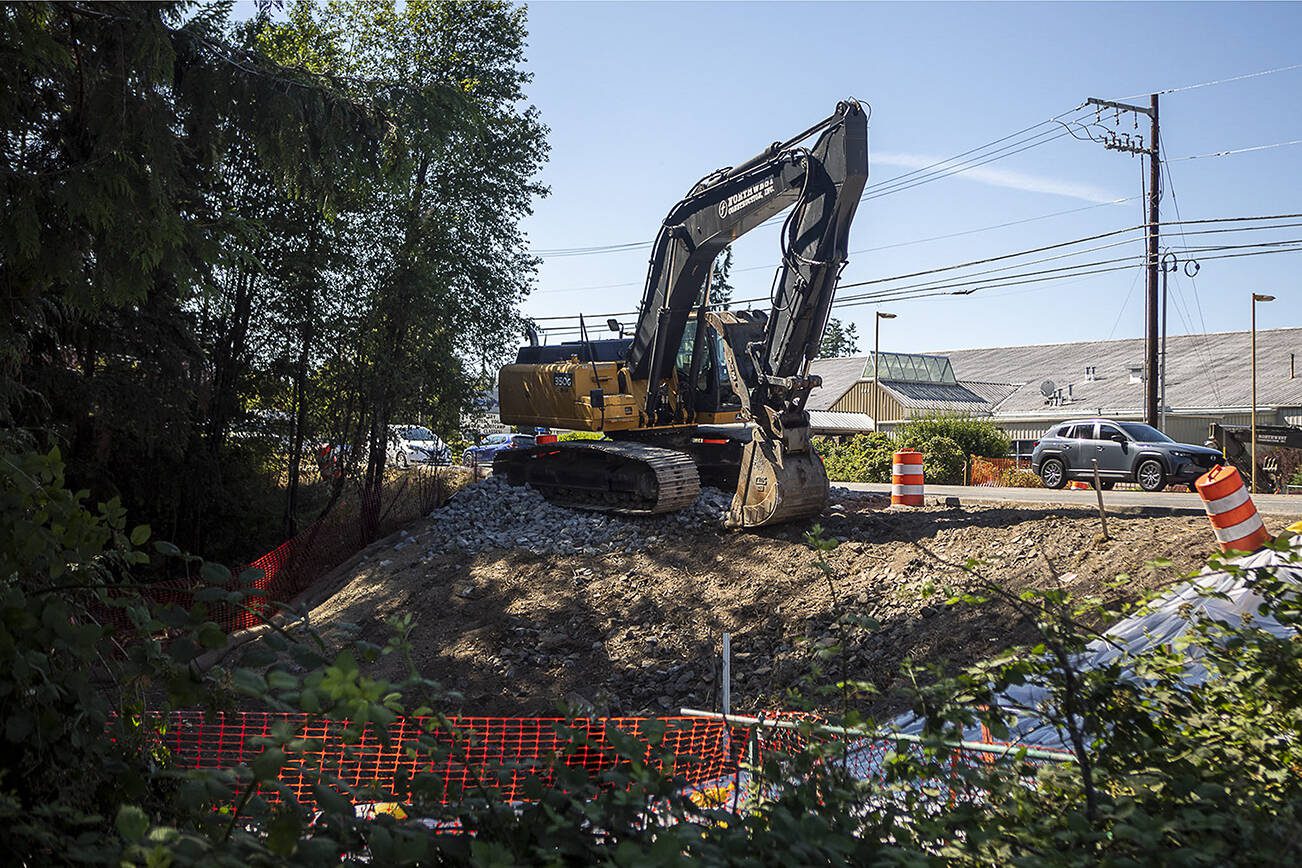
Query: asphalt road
[[1284, 505]]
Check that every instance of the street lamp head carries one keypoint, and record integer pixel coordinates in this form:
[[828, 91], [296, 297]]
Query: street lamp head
[[1256, 296], [884, 315]]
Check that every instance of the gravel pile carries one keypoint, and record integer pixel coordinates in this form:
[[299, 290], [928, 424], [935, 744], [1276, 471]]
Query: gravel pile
[[493, 514]]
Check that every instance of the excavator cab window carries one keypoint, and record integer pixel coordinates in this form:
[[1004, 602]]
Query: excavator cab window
[[713, 389]]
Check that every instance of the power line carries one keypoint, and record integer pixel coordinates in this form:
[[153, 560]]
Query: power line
[[1211, 221], [1235, 151], [906, 180], [903, 293], [1098, 266], [556, 252], [1074, 242], [1205, 344], [1031, 278], [976, 149], [1007, 280], [1054, 135], [1223, 80], [939, 168], [881, 247], [981, 229], [1039, 261], [990, 259], [1130, 292]]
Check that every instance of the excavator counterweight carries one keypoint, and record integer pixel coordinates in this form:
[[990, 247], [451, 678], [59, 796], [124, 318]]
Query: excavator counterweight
[[697, 390]]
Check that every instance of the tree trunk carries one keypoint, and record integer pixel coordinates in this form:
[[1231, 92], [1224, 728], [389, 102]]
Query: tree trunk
[[300, 424]]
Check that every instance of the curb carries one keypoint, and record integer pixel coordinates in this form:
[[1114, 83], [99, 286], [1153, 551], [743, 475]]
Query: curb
[[952, 501]]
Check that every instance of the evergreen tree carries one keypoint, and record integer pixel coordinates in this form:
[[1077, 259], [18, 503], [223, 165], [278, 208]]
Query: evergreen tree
[[720, 286], [839, 340]]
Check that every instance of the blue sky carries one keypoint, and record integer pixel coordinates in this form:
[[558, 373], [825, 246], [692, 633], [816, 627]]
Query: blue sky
[[644, 98]]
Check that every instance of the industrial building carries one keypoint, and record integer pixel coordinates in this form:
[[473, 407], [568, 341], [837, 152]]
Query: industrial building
[[1025, 389]]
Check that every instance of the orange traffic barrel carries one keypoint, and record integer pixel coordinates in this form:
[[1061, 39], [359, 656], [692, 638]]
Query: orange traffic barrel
[[1229, 506], [906, 478]]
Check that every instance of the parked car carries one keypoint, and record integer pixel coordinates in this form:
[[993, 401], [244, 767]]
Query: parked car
[[493, 444], [1125, 451], [416, 444]]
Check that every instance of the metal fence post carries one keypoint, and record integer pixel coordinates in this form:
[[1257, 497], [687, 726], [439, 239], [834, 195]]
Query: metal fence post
[[727, 674]]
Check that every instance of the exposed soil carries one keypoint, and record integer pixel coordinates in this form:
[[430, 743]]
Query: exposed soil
[[519, 633]]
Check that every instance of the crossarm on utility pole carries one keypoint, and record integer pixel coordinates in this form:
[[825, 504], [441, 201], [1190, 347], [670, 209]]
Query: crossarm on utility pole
[[1120, 106]]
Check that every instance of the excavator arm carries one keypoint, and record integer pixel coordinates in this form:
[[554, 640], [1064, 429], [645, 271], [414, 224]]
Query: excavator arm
[[822, 186]]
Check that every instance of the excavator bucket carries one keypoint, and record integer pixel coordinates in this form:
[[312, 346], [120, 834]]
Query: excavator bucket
[[777, 486]]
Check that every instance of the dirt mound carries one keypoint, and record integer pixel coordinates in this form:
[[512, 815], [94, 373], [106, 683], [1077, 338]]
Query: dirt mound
[[517, 631]]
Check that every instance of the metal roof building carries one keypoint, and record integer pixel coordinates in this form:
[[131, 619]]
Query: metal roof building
[[1025, 389]]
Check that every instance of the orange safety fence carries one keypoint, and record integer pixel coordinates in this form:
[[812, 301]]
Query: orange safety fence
[[500, 758], [1001, 472], [509, 759], [299, 562]]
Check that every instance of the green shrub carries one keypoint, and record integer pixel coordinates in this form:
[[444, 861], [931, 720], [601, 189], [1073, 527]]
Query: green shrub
[[942, 460], [862, 458], [581, 435], [973, 436], [1017, 478]]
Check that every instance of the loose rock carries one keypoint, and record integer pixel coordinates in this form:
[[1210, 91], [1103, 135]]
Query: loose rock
[[494, 514]]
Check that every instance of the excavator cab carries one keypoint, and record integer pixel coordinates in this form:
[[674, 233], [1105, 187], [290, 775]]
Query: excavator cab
[[711, 399]]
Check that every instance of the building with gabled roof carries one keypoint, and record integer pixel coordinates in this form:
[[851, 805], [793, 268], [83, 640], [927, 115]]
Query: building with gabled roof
[[1028, 388]]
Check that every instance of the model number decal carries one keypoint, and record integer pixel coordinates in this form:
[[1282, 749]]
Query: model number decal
[[563, 379]]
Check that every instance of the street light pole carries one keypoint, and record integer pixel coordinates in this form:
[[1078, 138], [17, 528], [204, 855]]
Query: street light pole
[[877, 336], [1256, 297]]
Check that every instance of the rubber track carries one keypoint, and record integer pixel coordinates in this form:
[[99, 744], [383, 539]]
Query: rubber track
[[678, 483]]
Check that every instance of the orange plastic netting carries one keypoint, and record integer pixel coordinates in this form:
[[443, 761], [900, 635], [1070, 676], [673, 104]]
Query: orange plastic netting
[[496, 757], [505, 759]]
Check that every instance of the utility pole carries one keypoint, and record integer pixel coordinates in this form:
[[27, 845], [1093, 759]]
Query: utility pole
[[1123, 142], [1154, 225]]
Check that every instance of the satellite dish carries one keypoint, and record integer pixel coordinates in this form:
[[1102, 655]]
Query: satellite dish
[[1048, 388]]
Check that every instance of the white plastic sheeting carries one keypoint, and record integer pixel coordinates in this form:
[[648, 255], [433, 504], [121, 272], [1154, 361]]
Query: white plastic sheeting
[[1212, 595]]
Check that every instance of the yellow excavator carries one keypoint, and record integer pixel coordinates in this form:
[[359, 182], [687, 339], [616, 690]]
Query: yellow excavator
[[698, 393]]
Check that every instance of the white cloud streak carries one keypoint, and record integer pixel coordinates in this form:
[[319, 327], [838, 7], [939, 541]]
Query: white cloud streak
[[999, 177]]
